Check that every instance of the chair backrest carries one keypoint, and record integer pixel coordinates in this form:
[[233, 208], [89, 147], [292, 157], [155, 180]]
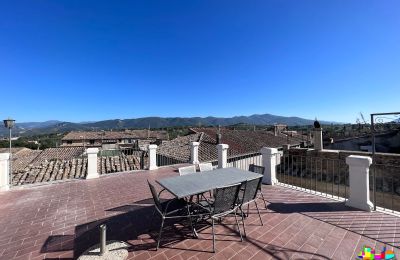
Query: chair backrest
[[256, 168], [225, 198], [251, 188], [156, 199], [187, 170], [205, 167]]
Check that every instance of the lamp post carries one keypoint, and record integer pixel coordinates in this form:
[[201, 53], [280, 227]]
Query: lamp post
[[9, 123]]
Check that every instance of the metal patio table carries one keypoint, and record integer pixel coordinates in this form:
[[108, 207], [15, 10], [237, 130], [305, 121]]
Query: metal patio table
[[185, 186], [197, 183]]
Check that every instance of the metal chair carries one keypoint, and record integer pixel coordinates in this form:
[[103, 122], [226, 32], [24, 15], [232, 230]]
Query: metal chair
[[205, 167], [247, 195], [260, 170], [187, 170], [170, 209], [224, 203]]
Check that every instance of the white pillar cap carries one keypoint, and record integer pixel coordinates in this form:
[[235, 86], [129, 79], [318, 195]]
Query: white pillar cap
[[92, 150], [222, 146], [359, 161], [194, 143], [4, 156], [152, 146], [269, 151]]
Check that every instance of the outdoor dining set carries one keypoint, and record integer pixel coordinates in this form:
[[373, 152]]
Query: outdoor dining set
[[210, 194]]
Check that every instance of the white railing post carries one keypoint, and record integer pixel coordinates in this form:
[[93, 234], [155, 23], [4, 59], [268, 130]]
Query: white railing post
[[222, 155], [152, 157], [92, 172], [194, 152], [4, 171], [359, 182], [269, 162]]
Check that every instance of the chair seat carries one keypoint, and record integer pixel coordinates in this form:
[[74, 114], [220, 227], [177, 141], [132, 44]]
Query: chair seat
[[173, 205]]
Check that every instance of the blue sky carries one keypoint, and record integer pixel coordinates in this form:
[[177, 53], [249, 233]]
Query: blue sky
[[94, 60]]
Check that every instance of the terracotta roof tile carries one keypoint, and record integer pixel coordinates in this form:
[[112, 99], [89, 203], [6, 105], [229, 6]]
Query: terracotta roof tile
[[239, 141]]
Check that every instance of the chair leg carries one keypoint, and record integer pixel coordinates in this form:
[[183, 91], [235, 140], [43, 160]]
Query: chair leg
[[259, 215], [265, 202], [213, 232], [244, 228], [248, 209], [237, 223], [159, 235]]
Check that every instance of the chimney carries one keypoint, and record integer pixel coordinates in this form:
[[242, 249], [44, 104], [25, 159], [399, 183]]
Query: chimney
[[275, 130], [318, 144], [219, 135]]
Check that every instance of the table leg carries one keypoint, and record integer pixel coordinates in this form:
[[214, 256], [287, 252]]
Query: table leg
[[194, 232]]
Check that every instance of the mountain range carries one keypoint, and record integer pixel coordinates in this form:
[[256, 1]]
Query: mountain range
[[55, 126]]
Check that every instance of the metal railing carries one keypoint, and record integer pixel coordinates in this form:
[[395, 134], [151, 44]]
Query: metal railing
[[163, 160], [170, 155], [328, 177], [121, 160], [387, 186], [243, 161]]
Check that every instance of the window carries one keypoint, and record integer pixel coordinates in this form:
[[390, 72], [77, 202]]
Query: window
[[69, 142], [91, 141]]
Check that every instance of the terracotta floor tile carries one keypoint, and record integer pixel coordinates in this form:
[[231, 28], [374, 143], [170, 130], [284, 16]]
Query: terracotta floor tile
[[62, 219]]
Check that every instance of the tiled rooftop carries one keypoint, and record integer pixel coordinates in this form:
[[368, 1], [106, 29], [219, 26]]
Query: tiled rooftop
[[240, 142], [55, 170], [245, 141], [61, 220]]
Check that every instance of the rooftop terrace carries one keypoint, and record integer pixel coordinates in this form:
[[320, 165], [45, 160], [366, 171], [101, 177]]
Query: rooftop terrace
[[60, 221]]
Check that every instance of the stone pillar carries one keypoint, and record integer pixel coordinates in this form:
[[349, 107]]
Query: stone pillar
[[92, 172], [318, 144], [269, 156], [222, 155], [4, 171], [153, 157], [359, 182], [194, 152]]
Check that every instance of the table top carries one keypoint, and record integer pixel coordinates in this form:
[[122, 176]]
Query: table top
[[199, 182]]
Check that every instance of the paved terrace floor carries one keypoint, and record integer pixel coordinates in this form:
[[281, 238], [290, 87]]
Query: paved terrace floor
[[60, 221]]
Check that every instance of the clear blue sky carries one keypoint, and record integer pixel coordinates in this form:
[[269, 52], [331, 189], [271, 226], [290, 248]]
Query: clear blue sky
[[94, 60]]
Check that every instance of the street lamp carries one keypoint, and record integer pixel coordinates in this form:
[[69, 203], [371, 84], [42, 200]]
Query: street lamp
[[9, 123]]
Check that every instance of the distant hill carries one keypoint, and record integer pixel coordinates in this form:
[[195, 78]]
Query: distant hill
[[54, 126], [31, 125]]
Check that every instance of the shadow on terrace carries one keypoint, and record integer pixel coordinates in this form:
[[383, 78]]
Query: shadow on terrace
[[133, 225]]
